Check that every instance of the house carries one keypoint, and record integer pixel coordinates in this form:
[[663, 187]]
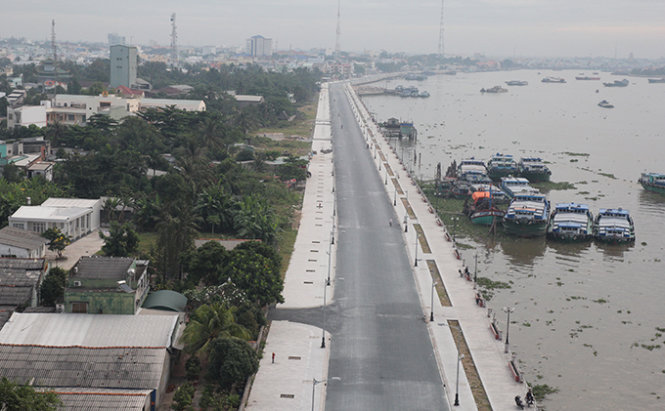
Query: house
[[41, 168], [26, 116], [17, 243], [72, 216], [186, 105], [107, 285], [20, 280], [120, 355]]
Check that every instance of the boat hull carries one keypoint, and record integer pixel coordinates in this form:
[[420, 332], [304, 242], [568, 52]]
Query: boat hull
[[652, 187], [496, 174], [525, 229], [486, 217], [536, 177]]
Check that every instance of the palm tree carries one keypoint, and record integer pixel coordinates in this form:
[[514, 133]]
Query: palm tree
[[209, 322]]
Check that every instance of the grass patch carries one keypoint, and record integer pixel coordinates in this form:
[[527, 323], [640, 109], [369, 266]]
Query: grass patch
[[286, 240], [302, 126]]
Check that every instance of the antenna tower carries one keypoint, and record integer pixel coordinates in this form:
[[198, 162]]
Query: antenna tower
[[53, 46], [339, 31], [174, 43], [441, 32]]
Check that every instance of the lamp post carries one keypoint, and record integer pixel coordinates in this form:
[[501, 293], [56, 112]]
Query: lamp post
[[329, 263], [475, 269], [406, 223], [385, 182], [459, 359], [323, 329], [314, 383], [415, 263], [454, 227], [508, 310], [431, 312]]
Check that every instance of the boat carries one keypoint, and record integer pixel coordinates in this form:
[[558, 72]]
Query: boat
[[498, 195], [657, 80], [653, 182], [423, 94], [406, 129], [414, 76], [617, 83], [605, 104], [527, 215], [553, 80], [517, 83], [484, 210], [570, 222], [614, 225], [586, 78], [534, 169], [394, 128], [495, 89], [513, 186], [450, 72], [501, 165]]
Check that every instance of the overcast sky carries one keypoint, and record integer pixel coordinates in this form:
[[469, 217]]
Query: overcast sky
[[493, 27]]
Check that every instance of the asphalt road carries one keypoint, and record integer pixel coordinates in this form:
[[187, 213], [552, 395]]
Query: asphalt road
[[381, 354]]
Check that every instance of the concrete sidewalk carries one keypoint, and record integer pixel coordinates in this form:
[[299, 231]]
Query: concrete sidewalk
[[309, 281], [489, 359]]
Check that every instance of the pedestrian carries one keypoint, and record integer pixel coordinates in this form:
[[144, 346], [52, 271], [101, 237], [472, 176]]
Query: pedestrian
[[529, 398], [390, 223], [273, 358]]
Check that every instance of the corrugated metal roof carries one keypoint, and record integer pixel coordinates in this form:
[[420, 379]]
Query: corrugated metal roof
[[128, 368], [21, 238], [89, 330], [11, 295], [97, 267], [23, 263], [70, 202], [76, 398], [48, 213]]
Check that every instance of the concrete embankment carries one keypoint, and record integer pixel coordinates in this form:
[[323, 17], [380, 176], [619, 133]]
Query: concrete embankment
[[461, 324]]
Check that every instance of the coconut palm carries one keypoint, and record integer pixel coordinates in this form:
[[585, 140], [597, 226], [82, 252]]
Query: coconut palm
[[209, 322]]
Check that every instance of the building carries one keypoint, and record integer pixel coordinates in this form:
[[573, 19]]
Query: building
[[20, 280], [17, 243], [186, 105], [259, 46], [71, 109], [107, 285], [123, 65], [74, 217], [245, 100], [26, 116], [120, 355]]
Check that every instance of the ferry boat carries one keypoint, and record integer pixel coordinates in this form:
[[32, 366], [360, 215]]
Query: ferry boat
[[614, 225], [495, 89], [617, 83], [570, 222], [586, 78], [605, 104], [501, 165], [484, 210], [534, 169], [515, 185], [527, 215], [653, 182], [553, 80], [657, 80], [517, 83]]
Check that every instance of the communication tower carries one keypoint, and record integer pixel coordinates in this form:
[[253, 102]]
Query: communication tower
[[441, 32], [174, 44], [54, 48], [339, 31]]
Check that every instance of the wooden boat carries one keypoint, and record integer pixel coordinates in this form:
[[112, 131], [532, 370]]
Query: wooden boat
[[484, 211], [515, 185]]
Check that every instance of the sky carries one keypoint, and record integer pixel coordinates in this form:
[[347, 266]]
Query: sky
[[533, 28]]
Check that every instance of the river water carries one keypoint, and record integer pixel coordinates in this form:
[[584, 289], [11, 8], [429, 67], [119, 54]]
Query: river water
[[589, 319]]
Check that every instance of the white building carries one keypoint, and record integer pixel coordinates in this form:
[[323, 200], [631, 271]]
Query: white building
[[16, 243], [26, 116], [259, 46], [123, 65], [74, 217], [77, 109], [186, 105]]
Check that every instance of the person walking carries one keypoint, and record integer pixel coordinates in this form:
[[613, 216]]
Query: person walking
[[273, 358]]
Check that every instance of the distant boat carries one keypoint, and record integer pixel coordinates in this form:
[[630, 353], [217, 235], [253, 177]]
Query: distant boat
[[605, 104], [515, 185], [653, 182], [484, 210], [570, 222], [423, 94], [553, 80], [614, 226], [501, 165], [586, 78], [617, 83], [414, 76], [534, 169], [657, 80], [527, 215], [495, 89], [517, 83]]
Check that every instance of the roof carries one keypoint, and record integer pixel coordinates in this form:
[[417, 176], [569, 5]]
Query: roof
[[48, 213], [83, 367], [190, 105], [5, 312], [71, 202], [248, 98], [98, 267], [23, 263], [89, 330], [20, 238], [15, 295], [41, 166], [166, 300], [77, 398], [229, 244]]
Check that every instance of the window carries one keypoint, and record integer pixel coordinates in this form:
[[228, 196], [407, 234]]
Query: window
[[70, 117], [80, 308]]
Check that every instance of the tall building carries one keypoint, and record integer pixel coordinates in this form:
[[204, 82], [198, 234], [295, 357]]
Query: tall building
[[259, 46], [115, 38], [123, 65]]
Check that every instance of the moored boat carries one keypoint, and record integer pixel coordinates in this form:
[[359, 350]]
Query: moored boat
[[657, 80], [553, 80], [605, 104], [484, 210], [570, 222], [527, 215], [617, 83], [515, 185], [534, 169], [517, 83], [586, 78], [495, 89], [501, 165], [614, 225], [653, 182]]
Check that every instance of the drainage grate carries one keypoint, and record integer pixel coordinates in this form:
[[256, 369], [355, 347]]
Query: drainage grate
[[310, 271], [287, 396], [309, 282], [293, 357]]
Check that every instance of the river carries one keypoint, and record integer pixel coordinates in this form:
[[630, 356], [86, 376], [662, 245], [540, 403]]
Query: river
[[589, 318]]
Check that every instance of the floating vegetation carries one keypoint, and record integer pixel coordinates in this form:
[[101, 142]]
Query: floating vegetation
[[608, 175], [600, 301], [573, 160], [569, 153], [540, 391], [491, 284], [552, 185], [526, 324]]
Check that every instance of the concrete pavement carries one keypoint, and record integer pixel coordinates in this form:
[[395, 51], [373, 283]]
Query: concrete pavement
[[490, 362]]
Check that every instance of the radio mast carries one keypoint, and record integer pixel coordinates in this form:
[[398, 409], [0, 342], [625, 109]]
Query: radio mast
[[441, 32], [174, 44], [339, 31]]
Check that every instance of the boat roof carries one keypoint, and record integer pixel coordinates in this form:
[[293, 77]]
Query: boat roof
[[654, 175], [471, 161], [500, 155], [514, 180], [613, 211], [568, 206], [529, 196], [570, 224]]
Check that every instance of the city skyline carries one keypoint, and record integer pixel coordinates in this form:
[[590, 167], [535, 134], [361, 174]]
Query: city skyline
[[536, 28]]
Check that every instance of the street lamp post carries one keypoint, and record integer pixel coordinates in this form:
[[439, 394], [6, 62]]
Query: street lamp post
[[385, 182], [431, 312], [406, 223], [314, 383], [508, 310], [329, 261], [415, 263], [459, 358], [475, 269], [454, 227], [395, 197], [323, 329]]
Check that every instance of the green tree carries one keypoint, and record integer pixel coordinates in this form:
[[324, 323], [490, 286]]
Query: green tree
[[232, 361], [255, 219], [183, 396], [52, 289], [255, 274], [12, 174], [122, 240], [205, 263], [209, 322], [57, 240], [15, 397]]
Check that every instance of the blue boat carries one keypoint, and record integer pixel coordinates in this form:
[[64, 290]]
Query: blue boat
[[501, 165], [534, 169], [515, 185], [570, 222], [527, 215], [614, 225]]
